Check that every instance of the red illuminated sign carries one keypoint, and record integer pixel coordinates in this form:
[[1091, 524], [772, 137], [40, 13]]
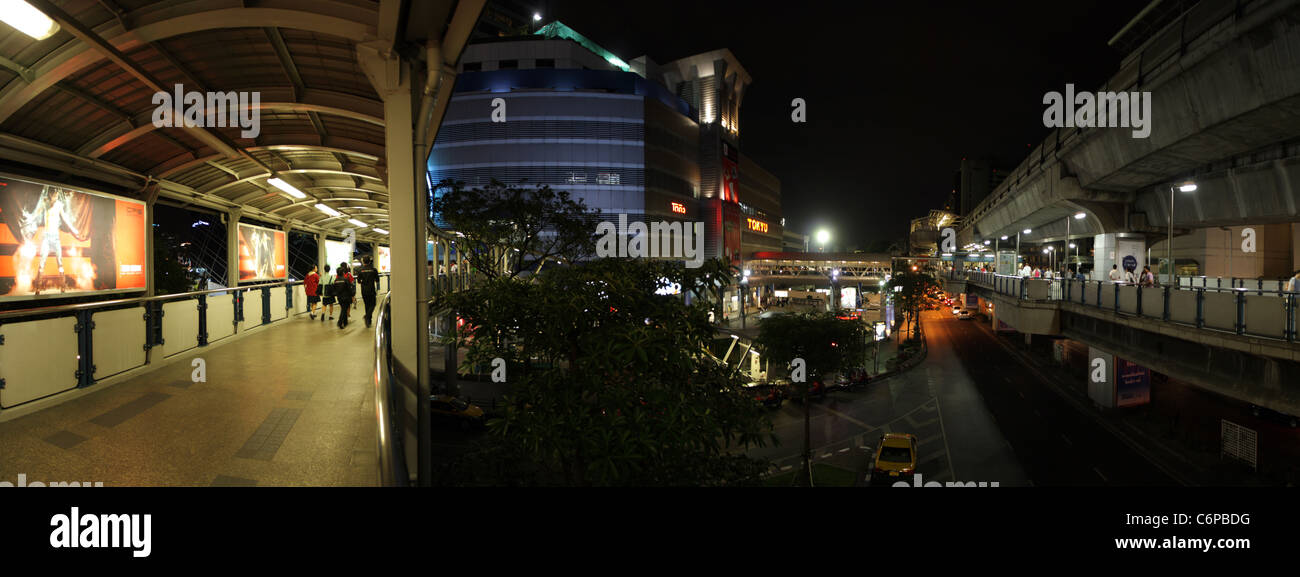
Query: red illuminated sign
[[757, 225], [678, 207]]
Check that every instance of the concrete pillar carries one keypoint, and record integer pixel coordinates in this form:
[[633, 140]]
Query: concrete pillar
[[320, 255], [151, 271], [232, 247], [1112, 249], [397, 86]]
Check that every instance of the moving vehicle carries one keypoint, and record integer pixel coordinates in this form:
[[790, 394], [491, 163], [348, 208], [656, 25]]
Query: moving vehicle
[[895, 459], [956, 310], [449, 409], [770, 396], [964, 315]]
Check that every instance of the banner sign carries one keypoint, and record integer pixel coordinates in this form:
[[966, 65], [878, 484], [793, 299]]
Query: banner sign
[[56, 240], [263, 254]]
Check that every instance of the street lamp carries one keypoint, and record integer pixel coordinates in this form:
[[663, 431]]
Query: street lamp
[[823, 237], [1017, 263], [1186, 186]]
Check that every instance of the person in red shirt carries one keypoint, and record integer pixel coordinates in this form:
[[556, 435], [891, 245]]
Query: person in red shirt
[[311, 286]]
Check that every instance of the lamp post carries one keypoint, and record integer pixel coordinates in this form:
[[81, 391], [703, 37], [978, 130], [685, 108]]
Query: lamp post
[[823, 237], [1187, 186], [744, 292]]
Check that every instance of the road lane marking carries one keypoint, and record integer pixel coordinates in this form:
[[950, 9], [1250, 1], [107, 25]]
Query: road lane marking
[[844, 450], [1098, 472], [942, 431]]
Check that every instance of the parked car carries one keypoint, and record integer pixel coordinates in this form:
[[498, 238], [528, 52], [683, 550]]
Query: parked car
[[449, 409], [895, 459]]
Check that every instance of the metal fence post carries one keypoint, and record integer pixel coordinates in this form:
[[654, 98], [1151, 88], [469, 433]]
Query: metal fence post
[[85, 349], [1200, 308], [1139, 303], [1168, 296], [266, 305], [1291, 318], [203, 320], [1116, 297], [1241, 312]]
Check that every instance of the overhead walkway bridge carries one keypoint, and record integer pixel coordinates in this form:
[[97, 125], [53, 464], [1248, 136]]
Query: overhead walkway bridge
[[350, 94], [1240, 342]]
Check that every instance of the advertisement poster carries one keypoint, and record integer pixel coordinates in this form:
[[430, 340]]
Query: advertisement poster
[[337, 252], [973, 302], [849, 298], [263, 254], [1132, 384], [384, 259], [60, 241]]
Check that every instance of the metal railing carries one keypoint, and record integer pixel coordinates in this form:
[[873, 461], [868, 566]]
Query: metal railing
[[1243, 311], [389, 409], [107, 338]]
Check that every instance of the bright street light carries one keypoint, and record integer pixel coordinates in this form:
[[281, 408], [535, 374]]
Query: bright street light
[[1028, 230]]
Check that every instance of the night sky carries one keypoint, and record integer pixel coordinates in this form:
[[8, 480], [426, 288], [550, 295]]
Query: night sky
[[897, 93]]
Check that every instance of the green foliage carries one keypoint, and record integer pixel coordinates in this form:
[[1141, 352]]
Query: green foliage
[[621, 393], [920, 291], [510, 230], [826, 344]]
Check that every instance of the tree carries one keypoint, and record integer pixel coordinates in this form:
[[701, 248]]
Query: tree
[[512, 229], [919, 291], [826, 345], [609, 381]]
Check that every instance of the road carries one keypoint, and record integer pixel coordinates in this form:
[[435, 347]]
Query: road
[[979, 414]]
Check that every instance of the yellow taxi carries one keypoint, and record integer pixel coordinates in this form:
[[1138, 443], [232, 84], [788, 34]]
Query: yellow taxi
[[895, 459]]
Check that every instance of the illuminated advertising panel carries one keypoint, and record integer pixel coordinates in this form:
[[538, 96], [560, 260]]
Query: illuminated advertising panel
[[1132, 383], [848, 298], [756, 225], [337, 252], [384, 259], [56, 241], [263, 254], [677, 207]]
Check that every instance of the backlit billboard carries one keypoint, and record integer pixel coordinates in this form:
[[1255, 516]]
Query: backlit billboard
[[56, 240], [384, 259], [338, 252], [263, 254]]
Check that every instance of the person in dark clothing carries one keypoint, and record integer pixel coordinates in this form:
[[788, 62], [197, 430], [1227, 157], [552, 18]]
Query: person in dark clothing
[[345, 289], [368, 280]]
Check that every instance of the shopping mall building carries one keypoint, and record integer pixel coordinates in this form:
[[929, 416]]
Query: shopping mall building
[[652, 142]]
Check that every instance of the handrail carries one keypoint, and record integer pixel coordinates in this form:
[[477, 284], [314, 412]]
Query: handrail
[[391, 454], [56, 309]]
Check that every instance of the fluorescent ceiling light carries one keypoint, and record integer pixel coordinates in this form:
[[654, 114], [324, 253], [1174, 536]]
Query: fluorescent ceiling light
[[327, 210], [288, 188], [1187, 187], [380, 230], [1028, 230], [27, 19], [357, 223], [1079, 216]]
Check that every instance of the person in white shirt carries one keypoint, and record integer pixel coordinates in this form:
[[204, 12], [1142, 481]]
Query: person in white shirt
[[1114, 273], [1129, 277], [1026, 271], [1294, 284]]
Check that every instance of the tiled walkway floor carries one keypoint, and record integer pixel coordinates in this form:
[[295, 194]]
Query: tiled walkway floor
[[290, 404]]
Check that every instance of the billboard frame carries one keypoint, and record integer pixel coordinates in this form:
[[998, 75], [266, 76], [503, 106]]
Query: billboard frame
[[147, 266]]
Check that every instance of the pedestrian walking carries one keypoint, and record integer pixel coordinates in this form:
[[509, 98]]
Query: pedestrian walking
[[311, 287], [327, 295], [368, 278], [345, 288]]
